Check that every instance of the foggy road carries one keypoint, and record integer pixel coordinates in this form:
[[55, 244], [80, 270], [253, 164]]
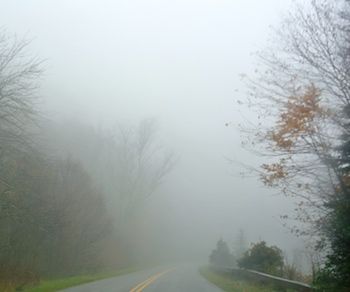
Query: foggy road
[[169, 279], [164, 134]]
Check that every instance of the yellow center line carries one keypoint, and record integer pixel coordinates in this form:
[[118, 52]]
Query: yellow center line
[[149, 281], [142, 283]]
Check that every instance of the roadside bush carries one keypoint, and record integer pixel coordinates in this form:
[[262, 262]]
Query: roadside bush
[[263, 258]]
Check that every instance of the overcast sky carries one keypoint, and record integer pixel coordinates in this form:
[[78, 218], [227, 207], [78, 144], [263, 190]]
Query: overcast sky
[[178, 61]]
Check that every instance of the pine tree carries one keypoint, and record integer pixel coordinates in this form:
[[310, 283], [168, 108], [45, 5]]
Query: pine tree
[[221, 256], [335, 276]]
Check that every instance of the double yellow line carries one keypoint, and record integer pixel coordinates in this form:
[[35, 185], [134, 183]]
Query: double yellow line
[[149, 281]]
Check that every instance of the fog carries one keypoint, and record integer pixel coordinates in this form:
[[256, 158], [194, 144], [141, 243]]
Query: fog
[[108, 63]]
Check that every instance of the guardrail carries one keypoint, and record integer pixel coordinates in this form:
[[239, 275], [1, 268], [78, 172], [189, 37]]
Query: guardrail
[[265, 278]]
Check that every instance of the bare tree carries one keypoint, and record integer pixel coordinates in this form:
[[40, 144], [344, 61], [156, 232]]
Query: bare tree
[[19, 76], [240, 245], [127, 162], [144, 164]]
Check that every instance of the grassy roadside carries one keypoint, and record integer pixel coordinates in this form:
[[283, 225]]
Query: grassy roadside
[[62, 283], [232, 285]]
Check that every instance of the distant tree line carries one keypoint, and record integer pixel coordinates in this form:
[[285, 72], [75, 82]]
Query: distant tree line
[[54, 220]]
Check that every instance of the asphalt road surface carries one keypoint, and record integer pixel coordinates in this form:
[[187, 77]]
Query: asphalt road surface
[[181, 278]]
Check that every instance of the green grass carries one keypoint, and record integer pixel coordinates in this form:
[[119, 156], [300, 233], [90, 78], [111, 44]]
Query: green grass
[[58, 284], [229, 284]]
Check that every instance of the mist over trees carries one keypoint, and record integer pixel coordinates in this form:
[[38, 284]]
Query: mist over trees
[[127, 162], [221, 256], [55, 181], [240, 245], [89, 193]]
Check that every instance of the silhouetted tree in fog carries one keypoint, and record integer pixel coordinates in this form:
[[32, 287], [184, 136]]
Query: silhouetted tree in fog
[[127, 163], [221, 255], [53, 219], [240, 244], [19, 74]]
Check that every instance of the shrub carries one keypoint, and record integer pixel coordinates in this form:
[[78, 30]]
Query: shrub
[[263, 258]]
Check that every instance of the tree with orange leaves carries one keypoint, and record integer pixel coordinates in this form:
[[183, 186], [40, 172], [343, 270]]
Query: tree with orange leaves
[[302, 91]]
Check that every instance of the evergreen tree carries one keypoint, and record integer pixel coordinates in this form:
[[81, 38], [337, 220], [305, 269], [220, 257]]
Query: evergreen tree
[[221, 256], [336, 273]]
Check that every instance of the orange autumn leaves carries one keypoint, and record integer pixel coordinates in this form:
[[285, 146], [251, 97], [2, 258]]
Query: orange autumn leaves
[[273, 172], [296, 118], [295, 123]]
